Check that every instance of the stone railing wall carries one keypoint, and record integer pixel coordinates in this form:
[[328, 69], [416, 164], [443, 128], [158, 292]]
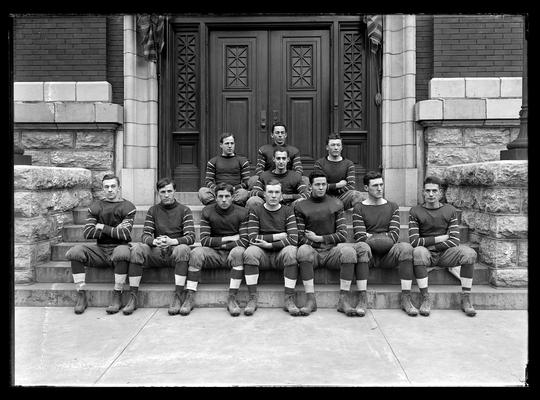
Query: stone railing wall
[[68, 124], [467, 120], [43, 200], [493, 197]]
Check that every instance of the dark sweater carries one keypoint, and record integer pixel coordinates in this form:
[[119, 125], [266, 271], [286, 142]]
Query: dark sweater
[[117, 218], [325, 217], [232, 169], [264, 223], [335, 172], [291, 183], [265, 157], [216, 223], [175, 221], [426, 223], [376, 219]]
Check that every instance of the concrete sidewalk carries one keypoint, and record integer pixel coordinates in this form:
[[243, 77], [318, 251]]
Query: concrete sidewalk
[[55, 347]]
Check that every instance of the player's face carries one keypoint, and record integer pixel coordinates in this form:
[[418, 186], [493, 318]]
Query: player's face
[[318, 187], [272, 194], [111, 189], [281, 160], [166, 194], [334, 147], [224, 199], [279, 135], [375, 188], [227, 146], [432, 193]]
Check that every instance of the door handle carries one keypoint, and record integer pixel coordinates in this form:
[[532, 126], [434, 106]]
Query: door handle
[[263, 119]]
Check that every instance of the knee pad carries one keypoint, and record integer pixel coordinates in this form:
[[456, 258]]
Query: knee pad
[[305, 254], [236, 256], [421, 256], [121, 253], [363, 252], [404, 251], [77, 253], [347, 255], [137, 254], [250, 255], [468, 255], [181, 252]]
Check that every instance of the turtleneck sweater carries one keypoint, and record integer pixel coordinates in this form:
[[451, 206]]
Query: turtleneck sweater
[[174, 220]]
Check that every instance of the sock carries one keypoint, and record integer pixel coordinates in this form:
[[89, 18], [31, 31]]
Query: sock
[[361, 270], [251, 273], [79, 280], [344, 285], [361, 284], [134, 281], [193, 277], [236, 279], [466, 276], [181, 268], [119, 280], [406, 285], [309, 286], [180, 280], [406, 270], [306, 270], [192, 285]]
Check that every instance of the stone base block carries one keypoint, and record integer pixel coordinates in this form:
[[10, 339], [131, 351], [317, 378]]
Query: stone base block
[[511, 277]]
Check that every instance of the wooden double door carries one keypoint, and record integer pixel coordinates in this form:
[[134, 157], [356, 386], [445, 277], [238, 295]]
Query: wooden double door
[[258, 78], [224, 78]]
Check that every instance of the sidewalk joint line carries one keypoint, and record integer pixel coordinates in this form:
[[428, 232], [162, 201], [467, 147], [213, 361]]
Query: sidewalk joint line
[[389, 345], [127, 345]]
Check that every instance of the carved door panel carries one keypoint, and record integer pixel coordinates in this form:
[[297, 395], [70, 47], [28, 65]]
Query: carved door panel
[[300, 89]]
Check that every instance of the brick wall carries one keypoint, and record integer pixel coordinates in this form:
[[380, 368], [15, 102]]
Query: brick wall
[[450, 46], [115, 56], [424, 55], [477, 45], [69, 47]]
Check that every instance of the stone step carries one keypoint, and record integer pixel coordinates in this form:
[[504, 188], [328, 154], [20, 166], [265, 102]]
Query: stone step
[[74, 233], [60, 272], [484, 297]]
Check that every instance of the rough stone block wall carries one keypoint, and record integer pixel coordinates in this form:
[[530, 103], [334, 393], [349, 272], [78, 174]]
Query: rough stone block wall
[[89, 147], [493, 197], [450, 145], [43, 201]]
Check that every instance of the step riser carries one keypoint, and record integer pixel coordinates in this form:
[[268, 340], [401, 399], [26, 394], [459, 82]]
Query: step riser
[[74, 233], [25, 296], [62, 274]]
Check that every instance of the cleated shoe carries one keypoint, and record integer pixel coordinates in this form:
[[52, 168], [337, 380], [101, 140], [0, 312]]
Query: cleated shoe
[[81, 303], [466, 304], [188, 304], [425, 307], [176, 303], [116, 303], [344, 306], [131, 305], [407, 305], [232, 306], [251, 305], [361, 307], [290, 306], [311, 305]]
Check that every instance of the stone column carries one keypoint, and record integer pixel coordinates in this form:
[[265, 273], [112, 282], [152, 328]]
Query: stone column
[[43, 199], [493, 197], [399, 145], [139, 142]]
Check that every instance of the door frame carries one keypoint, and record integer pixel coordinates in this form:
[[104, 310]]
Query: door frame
[[203, 24]]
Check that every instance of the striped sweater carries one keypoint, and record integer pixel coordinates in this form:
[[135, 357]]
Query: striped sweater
[[175, 221], [263, 224], [216, 223], [335, 172], [426, 223], [376, 219], [117, 218], [231, 169], [324, 216], [265, 157], [291, 183]]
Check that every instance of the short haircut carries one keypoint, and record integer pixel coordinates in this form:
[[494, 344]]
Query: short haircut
[[164, 182], [278, 124], [371, 175], [332, 136], [226, 135], [434, 180], [225, 186], [110, 176], [272, 181], [282, 149], [317, 174]]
